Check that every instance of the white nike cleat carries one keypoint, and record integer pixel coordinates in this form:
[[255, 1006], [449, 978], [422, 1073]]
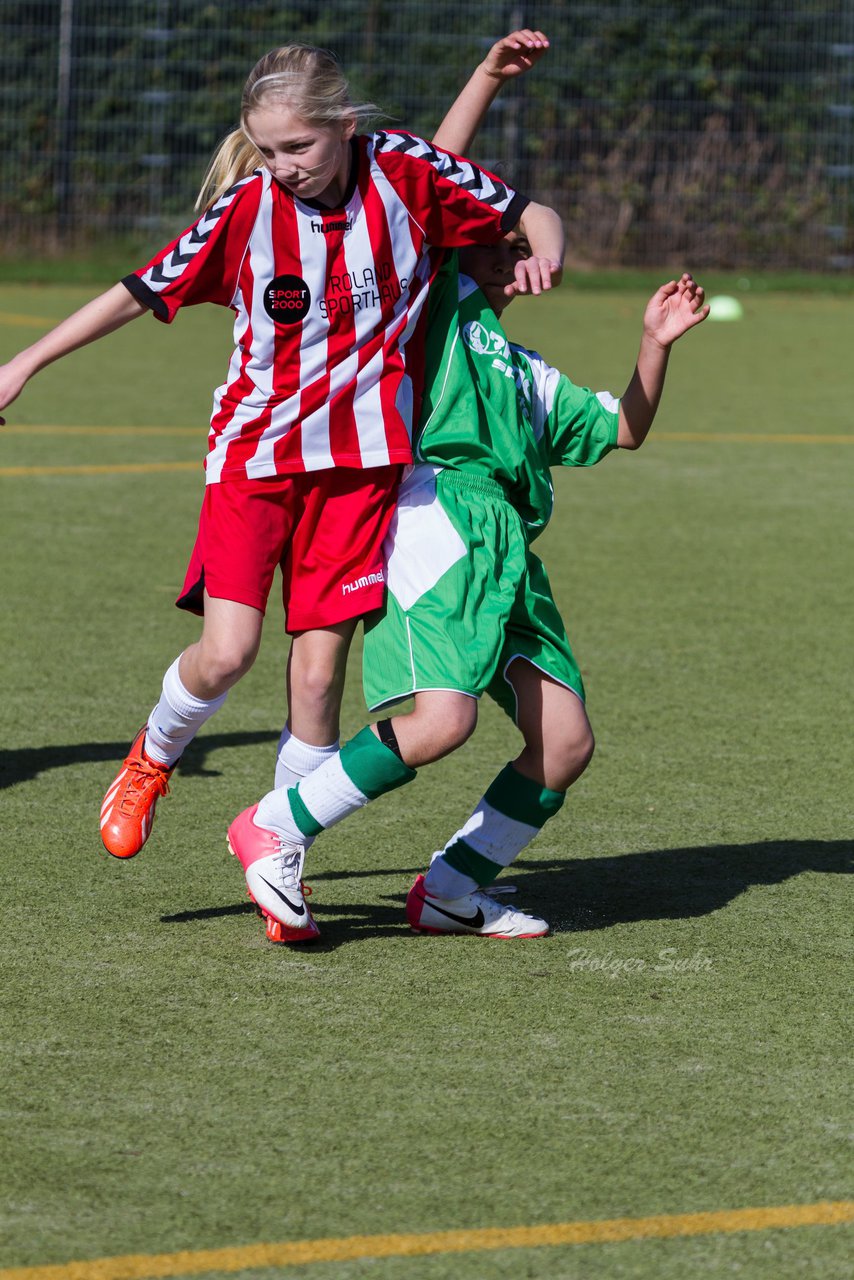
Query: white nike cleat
[[476, 913], [274, 879]]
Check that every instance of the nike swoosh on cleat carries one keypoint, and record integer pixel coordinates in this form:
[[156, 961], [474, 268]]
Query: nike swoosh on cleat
[[297, 910], [474, 922]]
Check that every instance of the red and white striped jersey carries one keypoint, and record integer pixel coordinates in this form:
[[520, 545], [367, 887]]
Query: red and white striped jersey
[[329, 303]]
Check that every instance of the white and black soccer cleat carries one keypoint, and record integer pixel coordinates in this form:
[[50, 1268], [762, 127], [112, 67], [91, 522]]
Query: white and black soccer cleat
[[476, 913]]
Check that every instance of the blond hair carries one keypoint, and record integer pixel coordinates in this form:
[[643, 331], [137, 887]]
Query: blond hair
[[306, 79]]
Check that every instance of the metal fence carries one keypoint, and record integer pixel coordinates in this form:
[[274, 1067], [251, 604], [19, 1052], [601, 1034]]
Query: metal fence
[[716, 134]]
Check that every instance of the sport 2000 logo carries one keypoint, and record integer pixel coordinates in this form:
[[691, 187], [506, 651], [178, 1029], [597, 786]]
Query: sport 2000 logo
[[287, 299]]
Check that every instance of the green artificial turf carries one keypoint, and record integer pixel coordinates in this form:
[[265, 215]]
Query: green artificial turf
[[679, 1044]]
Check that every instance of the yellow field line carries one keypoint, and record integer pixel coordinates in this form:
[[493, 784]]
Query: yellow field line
[[300, 1253], [125, 468], [86, 469], [38, 322]]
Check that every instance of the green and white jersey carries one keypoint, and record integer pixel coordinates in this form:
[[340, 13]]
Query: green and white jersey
[[496, 410]]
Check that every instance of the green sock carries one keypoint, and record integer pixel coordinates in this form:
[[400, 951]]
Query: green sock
[[512, 812], [362, 770]]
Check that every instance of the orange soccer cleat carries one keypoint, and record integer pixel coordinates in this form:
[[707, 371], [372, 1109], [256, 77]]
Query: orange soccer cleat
[[127, 812]]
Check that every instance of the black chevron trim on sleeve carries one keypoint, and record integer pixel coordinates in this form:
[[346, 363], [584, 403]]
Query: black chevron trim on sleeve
[[146, 296], [407, 142], [193, 240], [414, 144], [178, 259], [487, 188], [478, 184], [452, 166], [158, 274]]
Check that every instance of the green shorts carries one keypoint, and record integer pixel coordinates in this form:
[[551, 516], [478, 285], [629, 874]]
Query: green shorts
[[465, 597]]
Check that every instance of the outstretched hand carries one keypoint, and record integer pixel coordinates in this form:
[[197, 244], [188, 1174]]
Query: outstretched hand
[[533, 275], [515, 54], [673, 309], [511, 56]]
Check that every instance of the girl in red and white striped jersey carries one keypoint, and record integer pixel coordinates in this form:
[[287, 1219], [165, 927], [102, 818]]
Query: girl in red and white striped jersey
[[323, 243]]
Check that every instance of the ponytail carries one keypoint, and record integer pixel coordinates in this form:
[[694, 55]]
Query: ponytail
[[235, 158]]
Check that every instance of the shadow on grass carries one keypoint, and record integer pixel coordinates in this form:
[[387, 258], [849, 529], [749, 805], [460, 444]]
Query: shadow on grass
[[25, 764], [355, 920], [587, 894], [671, 884]]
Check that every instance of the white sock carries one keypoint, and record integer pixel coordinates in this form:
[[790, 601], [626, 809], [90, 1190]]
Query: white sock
[[444, 881], [176, 718], [361, 771], [275, 814], [506, 819], [329, 792], [296, 759]]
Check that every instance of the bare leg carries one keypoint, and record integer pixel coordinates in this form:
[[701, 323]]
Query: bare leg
[[226, 649], [558, 737], [440, 722], [525, 794], [317, 666], [194, 687]]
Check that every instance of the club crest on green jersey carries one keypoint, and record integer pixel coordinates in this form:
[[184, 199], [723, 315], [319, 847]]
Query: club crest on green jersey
[[491, 343], [483, 341]]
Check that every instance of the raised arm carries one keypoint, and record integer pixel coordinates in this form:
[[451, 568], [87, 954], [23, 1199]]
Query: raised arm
[[107, 312], [543, 230], [509, 57], [674, 309]]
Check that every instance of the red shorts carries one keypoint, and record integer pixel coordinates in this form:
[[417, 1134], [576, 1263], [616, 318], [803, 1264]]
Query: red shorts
[[324, 528]]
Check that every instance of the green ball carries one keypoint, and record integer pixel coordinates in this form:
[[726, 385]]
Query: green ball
[[725, 308]]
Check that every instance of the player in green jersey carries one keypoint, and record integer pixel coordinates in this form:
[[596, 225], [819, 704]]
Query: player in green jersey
[[469, 606]]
